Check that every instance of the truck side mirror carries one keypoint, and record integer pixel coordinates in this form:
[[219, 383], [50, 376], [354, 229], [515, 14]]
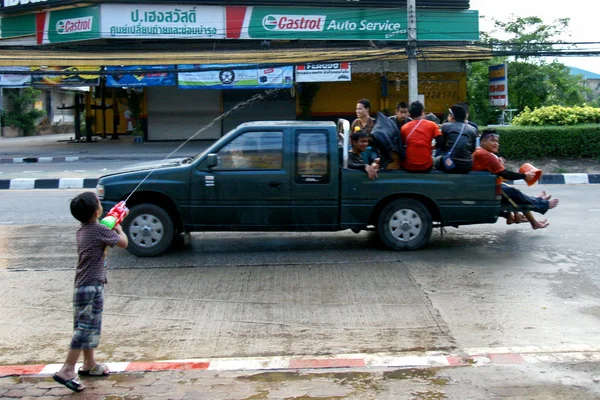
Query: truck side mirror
[[212, 160]]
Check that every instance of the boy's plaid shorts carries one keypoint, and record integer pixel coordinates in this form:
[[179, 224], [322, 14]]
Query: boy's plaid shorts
[[88, 303]]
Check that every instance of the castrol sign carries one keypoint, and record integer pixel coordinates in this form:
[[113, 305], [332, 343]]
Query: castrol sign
[[74, 25], [294, 23]]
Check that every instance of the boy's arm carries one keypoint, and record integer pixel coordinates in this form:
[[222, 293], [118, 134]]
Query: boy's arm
[[123, 242]]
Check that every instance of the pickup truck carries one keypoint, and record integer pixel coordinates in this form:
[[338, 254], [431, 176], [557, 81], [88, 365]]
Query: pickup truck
[[290, 176]]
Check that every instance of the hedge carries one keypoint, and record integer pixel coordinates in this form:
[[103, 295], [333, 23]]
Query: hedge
[[528, 142], [558, 115]]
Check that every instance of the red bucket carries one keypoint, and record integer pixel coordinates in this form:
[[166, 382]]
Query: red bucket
[[530, 168]]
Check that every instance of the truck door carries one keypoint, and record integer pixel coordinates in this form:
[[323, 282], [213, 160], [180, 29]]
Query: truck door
[[249, 189], [315, 185]]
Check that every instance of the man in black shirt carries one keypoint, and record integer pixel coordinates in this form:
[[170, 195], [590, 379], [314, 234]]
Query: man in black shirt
[[460, 139], [360, 142]]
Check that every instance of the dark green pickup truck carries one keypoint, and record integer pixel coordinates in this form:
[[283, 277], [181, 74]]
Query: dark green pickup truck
[[290, 176]]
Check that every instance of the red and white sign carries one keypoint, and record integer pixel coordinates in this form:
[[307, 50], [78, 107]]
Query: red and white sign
[[324, 72]]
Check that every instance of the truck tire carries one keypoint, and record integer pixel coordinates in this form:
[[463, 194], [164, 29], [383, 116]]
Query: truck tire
[[149, 230], [405, 224]]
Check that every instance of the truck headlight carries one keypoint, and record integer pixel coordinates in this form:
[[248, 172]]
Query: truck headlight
[[100, 191]]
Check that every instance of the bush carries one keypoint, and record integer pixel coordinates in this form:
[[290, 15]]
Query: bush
[[23, 115], [557, 115], [524, 142]]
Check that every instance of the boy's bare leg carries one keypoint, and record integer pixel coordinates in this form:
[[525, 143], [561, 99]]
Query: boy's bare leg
[[67, 371], [89, 361], [536, 224]]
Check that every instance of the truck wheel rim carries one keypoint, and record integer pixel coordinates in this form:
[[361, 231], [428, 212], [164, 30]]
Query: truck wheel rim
[[146, 230], [405, 225]]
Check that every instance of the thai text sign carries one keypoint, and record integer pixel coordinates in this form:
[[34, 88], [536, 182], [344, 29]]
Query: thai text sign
[[162, 21], [498, 86], [325, 72], [345, 24], [228, 77], [140, 79], [68, 25]]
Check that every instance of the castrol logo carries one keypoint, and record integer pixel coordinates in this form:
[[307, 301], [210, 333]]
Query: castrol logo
[[294, 23], [74, 25]]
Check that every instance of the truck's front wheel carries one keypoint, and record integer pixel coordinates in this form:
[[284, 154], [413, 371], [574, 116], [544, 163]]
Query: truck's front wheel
[[149, 230], [405, 224]]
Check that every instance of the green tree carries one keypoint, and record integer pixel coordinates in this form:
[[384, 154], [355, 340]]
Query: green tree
[[23, 114], [532, 82]]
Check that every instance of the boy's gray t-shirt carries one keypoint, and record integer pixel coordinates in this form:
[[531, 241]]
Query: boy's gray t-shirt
[[92, 240]]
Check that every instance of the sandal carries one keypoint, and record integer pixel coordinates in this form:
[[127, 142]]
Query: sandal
[[97, 370], [72, 384]]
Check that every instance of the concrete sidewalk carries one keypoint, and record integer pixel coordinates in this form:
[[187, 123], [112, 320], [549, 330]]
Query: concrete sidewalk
[[61, 148]]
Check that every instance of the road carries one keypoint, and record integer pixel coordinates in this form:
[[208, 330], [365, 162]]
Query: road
[[91, 168], [265, 294]]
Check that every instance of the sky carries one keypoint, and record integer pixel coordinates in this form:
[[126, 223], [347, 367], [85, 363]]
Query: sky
[[583, 26]]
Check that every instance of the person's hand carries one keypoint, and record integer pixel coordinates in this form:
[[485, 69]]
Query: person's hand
[[529, 176], [376, 166], [118, 229], [371, 172]]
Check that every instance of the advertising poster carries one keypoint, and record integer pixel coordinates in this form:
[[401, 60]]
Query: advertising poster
[[15, 80], [158, 78], [68, 25], [158, 21], [498, 78], [325, 72], [66, 76], [232, 77]]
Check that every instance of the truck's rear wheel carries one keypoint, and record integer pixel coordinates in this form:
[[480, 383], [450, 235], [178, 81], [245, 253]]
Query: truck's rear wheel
[[149, 230], [405, 224]]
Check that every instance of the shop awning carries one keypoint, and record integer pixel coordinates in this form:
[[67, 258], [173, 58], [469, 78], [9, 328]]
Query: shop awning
[[57, 57]]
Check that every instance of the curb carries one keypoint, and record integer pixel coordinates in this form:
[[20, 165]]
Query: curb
[[62, 183], [90, 183], [23, 160], [466, 358]]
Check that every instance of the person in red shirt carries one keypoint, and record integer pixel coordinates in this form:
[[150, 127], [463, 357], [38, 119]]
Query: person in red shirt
[[485, 159], [417, 136]]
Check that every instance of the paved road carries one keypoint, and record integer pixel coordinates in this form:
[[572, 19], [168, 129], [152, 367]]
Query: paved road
[[256, 294]]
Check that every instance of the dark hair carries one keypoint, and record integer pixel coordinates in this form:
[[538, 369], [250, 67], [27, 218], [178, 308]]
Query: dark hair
[[401, 104], [459, 111], [356, 135], [416, 109], [465, 105], [366, 103], [488, 132], [83, 206]]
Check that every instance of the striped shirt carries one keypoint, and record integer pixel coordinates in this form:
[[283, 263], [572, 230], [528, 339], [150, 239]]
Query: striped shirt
[[92, 239]]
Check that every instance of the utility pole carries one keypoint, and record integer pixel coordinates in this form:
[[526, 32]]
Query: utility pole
[[411, 49]]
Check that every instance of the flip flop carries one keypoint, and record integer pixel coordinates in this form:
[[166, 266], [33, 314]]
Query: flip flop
[[97, 370], [72, 384]]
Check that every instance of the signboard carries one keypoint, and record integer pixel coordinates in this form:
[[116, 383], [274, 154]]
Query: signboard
[[14, 80], [228, 77], [158, 78], [362, 24], [156, 21], [66, 76], [22, 25], [498, 86], [326, 72], [68, 25]]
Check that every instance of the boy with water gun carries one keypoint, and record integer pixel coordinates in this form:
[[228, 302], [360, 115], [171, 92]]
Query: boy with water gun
[[93, 239]]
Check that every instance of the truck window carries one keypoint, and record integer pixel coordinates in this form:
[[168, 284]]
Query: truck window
[[312, 158], [253, 150]]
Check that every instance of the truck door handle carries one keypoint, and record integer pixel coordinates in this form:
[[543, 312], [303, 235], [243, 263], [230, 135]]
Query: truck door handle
[[274, 184]]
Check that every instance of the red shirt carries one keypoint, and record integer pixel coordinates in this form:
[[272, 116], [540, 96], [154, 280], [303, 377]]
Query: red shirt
[[483, 160], [418, 144]]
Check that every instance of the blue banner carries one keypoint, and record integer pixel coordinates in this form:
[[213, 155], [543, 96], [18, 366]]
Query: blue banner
[[158, 78]]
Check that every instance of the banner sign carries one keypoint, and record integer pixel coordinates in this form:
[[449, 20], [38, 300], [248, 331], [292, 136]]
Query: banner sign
[[66, 76], [343, 24], [228, 77], [156, 21], [326, 72], [68, 25], [498, 87], [157, 78], [14, 80]]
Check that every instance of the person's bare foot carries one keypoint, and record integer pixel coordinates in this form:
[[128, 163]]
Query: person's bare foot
[[520, 218], [552, 203], [511, 219], [540, 224], [545, 196]]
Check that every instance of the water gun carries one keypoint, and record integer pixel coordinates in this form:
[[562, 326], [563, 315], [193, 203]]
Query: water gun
[[115, 216]]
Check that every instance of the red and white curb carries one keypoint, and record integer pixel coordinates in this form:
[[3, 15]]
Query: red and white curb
[[477, 357]]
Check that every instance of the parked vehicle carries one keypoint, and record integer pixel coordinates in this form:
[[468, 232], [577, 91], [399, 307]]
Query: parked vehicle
[[290, 176]]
